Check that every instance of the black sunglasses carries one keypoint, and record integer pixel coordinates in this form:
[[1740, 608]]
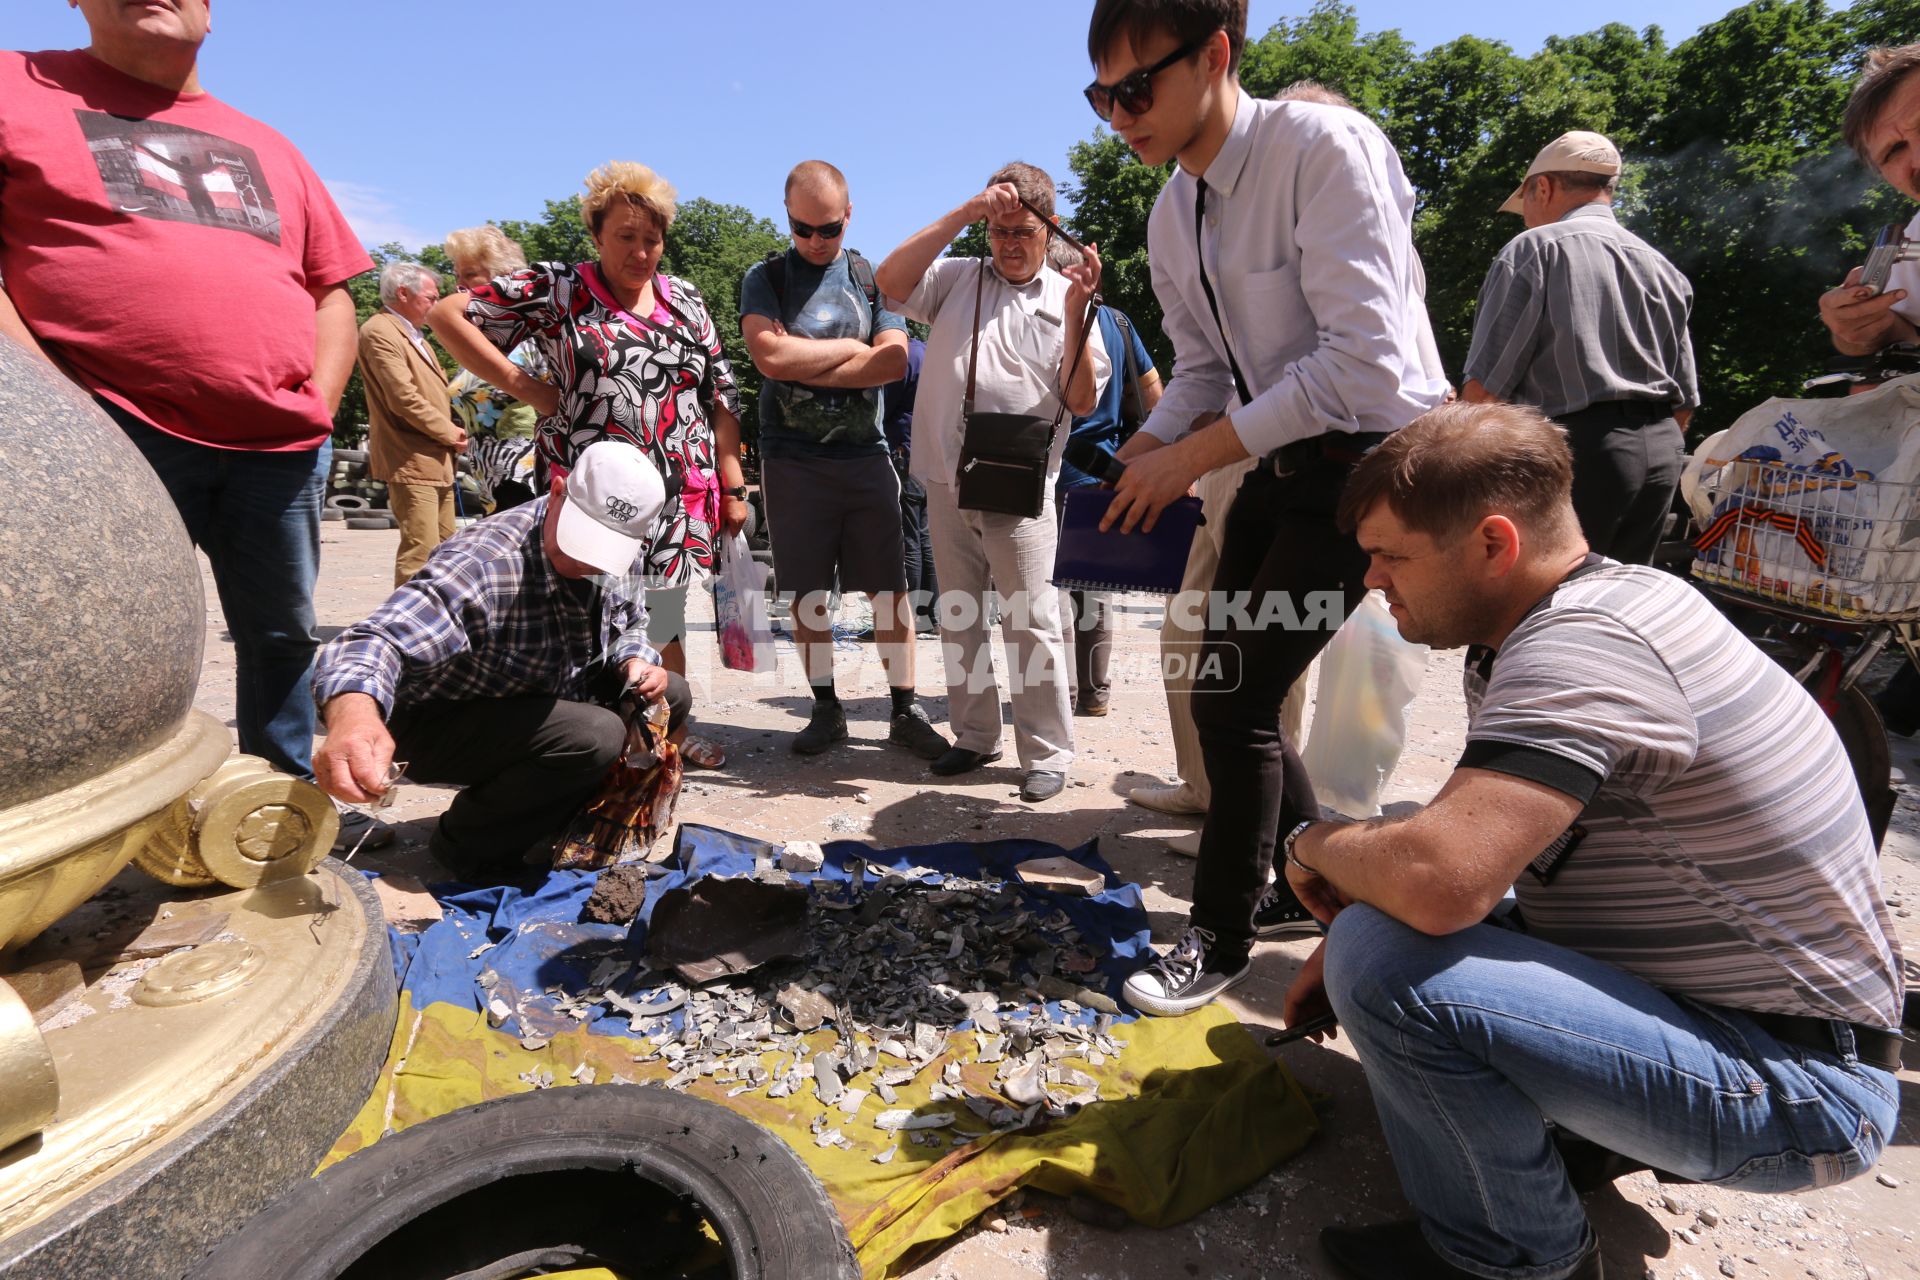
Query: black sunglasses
[[1135, 90], [807, 230]]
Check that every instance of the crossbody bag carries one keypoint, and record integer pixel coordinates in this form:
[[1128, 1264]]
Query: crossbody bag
[[1004, 456]]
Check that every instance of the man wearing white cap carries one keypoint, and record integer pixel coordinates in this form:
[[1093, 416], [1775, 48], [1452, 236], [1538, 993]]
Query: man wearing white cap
[[498, 665], [1587, 322]]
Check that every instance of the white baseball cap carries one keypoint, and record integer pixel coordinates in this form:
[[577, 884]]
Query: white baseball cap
[[613, 495], [1577, 151]]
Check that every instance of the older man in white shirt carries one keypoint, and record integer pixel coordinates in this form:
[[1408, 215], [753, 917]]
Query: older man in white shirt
[[1882, 125], [1283, 259], [1020, 324]]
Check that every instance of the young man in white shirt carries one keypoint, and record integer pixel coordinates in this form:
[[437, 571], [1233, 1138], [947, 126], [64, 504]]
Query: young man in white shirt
[[1283, 259]]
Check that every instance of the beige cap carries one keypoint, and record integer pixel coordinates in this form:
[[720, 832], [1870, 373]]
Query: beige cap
[[1577, 151]]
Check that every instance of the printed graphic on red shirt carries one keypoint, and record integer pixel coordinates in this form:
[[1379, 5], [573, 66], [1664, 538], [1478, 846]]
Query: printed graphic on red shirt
[[156, 170]]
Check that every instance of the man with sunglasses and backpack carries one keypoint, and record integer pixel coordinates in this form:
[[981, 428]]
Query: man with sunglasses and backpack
[[1282, 256], [818, 333]]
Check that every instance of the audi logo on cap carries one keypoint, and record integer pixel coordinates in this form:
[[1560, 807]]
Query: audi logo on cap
[[622, 510]]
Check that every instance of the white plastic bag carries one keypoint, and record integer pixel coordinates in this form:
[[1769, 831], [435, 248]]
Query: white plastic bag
[[740, 609], [1368, 675]]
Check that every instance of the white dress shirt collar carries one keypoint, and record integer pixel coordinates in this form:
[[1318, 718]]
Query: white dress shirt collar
[[413, 333], [1231, 160]]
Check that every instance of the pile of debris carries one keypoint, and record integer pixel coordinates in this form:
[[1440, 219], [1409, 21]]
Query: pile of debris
[[974, 987]]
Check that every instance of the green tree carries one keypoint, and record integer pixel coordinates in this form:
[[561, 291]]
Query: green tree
[[560, 236], [1747, 188], [1326, 46], [1112, 194]]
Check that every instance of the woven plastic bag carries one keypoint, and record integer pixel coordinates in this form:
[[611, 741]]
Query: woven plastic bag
[[635, 802], [740, 609], [1811, 501], [1368, 675]]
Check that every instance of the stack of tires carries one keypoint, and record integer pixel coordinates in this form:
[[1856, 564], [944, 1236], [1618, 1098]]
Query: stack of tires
[[355, 497]]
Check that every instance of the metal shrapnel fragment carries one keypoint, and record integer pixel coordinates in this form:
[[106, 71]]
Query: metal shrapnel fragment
[[826, 1077], [903, 1119]]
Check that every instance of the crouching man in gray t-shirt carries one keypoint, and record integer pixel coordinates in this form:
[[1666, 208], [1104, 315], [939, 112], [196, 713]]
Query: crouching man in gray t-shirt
[[1701, 976]]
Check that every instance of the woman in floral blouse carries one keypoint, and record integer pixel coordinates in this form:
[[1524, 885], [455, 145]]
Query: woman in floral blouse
[[633, 354]]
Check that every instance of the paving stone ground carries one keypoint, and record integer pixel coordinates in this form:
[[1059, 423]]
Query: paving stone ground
[[868, 791]]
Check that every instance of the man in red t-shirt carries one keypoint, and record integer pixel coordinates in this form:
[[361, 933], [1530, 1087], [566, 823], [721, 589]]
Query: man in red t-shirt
[[182, 262]]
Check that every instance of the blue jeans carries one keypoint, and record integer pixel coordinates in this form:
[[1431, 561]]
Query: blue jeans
[[257, 516], [1473, 1041]]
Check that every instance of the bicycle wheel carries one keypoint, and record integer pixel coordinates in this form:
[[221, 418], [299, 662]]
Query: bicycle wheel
[[1863, 735]]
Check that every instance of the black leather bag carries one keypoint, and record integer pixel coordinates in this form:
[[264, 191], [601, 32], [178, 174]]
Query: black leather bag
[[1004, 456]]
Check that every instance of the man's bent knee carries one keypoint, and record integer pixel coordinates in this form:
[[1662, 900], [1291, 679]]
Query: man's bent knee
[[1364, 947], [590, 739]]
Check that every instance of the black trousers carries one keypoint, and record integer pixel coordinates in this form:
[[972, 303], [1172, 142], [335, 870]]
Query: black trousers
[[526, 764], [1280, 541], [1627, 459], [917, 546], [1089, 622]]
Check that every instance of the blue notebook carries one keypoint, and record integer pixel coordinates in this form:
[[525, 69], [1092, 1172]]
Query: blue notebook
[[1089, 560]]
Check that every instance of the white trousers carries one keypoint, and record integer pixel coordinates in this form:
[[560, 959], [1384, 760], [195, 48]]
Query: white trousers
[[975, 552]]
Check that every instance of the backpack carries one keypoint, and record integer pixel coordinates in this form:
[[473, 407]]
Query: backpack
[[1132, 403], [858, 268]]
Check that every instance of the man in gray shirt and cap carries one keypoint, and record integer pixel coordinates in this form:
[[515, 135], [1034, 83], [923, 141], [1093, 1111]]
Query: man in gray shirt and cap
[[1587, 322]]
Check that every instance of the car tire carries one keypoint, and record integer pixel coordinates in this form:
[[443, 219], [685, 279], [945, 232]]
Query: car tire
[[370, 522], [626, 1175]]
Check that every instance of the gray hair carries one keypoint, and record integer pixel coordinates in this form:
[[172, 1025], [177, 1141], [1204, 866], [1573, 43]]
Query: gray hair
[[1886, 68], [396, 276]]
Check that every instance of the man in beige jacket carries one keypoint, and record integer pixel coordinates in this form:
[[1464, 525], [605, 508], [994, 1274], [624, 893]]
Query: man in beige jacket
[[412, 438]]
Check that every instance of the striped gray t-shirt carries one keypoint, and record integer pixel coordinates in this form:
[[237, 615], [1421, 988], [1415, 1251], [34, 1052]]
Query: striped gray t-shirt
[[1583, 310], [1727, 855]]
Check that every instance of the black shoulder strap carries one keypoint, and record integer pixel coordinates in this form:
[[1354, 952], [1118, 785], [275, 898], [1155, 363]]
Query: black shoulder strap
[[1126, 342], [775, 265], [861, 272], [1132, 386]]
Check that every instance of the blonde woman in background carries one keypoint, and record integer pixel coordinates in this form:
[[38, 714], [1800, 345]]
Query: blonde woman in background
[[634, 356], [500, 429]]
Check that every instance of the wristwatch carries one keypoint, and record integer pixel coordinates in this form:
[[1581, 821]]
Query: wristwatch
[[1286, 847], [739, 492]]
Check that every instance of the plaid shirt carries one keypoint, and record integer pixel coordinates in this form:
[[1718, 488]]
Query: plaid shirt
[[487, 618]]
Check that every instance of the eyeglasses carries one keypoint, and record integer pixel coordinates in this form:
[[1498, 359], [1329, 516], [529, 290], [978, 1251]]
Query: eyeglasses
[[1135, 89], [1019, 235], [807, 230]]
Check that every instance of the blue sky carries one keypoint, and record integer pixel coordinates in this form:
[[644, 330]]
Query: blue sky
[[426, 115]]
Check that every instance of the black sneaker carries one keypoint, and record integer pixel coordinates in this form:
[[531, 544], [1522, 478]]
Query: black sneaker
[[958, 760], [1399, 1251], [1280, 914], [826, 726], [911, 729], [1186, 977]]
